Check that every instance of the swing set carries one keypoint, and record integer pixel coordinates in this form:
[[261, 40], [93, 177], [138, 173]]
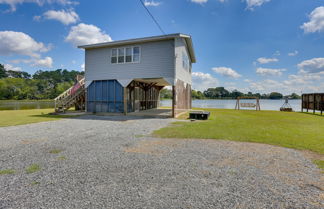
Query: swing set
[[240, 104]]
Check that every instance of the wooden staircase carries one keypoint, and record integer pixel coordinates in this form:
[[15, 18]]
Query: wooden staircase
[[74, 96]]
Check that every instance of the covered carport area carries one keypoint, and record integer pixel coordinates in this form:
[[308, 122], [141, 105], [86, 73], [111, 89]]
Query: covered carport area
[[142, 97]]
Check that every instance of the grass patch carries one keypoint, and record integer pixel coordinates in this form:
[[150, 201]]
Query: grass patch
[[62, 158], [35, 183], [287, 129], [55, 151], [165, 107], [20, 117], [33, 168], [320, 164], [7, 172]]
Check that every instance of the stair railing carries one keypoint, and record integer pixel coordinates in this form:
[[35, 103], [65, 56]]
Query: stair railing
[[67, 96]]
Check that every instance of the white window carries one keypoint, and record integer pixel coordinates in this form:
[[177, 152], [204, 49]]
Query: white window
[[136, 54], [126, 55], [114, 56], [121, 55], [185, 61]]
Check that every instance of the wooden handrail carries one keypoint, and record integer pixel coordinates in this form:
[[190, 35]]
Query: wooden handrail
[[68, 92]]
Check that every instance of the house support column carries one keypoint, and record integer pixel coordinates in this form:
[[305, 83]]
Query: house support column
[[173, 101], [125, 100]]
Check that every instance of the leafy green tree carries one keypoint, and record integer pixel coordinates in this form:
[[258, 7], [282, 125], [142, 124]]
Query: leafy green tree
[[295, 96], [166, 94], [275, 95], [18, 74], [197, 94], [3, 73], [61, 87], [44, 85], [218, 92], [234, 94]]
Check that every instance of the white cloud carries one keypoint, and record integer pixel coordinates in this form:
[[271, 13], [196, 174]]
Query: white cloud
[[37, 18], [292, 54], [46, 62], [269, 71], [18, 43], [314, 65], [316, 21], [83, 34], [199, 1], [14, 3], [36, 62], [65, 17], [277, 53], [301, 82], [12, 68], [266, 86], [228, 72], [264, 60], [202, 81], [305, 82], [251, 4], [152, 3], [82, 67]]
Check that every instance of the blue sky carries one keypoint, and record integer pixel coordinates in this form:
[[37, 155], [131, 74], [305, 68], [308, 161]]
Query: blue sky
[[249, 45]]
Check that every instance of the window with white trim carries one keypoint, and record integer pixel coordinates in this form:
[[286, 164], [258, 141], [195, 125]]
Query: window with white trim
[[128, 54], [114, 56], [121, 55], [136, 54], [185, 62], [125, 55]]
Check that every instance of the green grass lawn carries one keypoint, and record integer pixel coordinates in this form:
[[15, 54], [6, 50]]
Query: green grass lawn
[[293, 130], [19, 117]]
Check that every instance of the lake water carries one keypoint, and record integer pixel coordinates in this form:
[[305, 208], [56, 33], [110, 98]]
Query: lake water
[[222, 104], [266, 104]]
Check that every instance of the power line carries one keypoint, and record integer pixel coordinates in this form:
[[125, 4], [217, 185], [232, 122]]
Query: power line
[[156, 22]]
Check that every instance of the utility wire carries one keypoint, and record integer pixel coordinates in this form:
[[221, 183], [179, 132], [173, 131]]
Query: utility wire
[[156, 22]]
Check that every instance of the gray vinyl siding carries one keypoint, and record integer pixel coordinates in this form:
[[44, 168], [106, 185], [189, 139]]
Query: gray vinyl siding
[[182, 73], [156, 61]]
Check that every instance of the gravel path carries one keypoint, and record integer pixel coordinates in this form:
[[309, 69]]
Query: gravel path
[[108, 162]]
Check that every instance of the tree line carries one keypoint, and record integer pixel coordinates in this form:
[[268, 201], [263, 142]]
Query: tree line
[[222, 93], [20, 85]]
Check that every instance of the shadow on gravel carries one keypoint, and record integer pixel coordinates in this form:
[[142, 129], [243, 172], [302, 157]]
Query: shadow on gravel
[[122, 118]]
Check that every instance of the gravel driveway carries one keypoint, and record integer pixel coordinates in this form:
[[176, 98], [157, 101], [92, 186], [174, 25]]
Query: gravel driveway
[[110, 162]]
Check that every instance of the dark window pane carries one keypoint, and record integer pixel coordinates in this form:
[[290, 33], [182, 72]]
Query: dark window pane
[[128, 58], [121, 55], [128, 51], [114, 53], [136, 58], [121, 52], [136, 50], [113, 59], [121, 59]]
